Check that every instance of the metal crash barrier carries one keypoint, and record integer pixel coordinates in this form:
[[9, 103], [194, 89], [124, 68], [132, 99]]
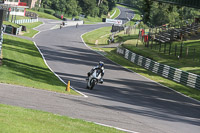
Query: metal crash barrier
[[177, 75]]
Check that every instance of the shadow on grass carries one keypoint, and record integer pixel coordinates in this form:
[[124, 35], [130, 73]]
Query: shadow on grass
[[21, 47], [26, 70], [31, 72], [125, 38], [181, 88]]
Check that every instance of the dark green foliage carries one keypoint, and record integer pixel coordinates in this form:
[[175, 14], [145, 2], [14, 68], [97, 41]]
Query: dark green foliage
[[49, 11], [75, 7], [157, 13]]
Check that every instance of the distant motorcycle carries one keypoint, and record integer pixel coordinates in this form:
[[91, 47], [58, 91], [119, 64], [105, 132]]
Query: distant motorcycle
[[93, 79]]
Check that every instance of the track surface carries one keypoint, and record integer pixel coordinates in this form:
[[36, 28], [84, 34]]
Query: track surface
[[125, 100]]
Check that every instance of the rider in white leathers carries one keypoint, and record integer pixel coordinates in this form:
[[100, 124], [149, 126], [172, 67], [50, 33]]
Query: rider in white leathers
[[101, 67]]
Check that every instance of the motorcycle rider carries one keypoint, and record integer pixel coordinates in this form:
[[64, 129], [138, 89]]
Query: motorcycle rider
[[99, 66]]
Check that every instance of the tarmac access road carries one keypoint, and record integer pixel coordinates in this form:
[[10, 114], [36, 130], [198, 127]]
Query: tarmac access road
[[125, 100]]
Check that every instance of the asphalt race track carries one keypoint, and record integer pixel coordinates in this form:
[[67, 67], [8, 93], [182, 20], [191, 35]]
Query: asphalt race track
[[126, 100]]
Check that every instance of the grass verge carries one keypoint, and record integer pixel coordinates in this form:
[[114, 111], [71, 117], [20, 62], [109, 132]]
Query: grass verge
[[44, 15], [117, 13], [29, 27], [100, 34], [12, 24], [190, 63], [94, 20], [111, 54], [19, 120], [17, 17], [23, 65]]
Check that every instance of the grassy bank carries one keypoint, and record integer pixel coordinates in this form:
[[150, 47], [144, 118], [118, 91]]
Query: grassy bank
[[23, 65], [18, 17], [10, 23], [189, 63], [19, 120], [93, 20], [130, 42], [29, 27], [44, 15], [117, 13], [100, 34], [111, 54]]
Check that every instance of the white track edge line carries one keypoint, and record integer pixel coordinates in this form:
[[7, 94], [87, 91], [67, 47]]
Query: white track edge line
[[137, 73], [115, 63], [121, 129], [55, 73]]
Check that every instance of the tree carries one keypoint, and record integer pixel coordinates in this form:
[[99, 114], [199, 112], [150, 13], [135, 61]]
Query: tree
[[111, 4], [75, 7], [88, 7], [147, 10]]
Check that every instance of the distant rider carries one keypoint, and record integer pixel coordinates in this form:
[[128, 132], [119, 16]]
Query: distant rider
[[99, 66]]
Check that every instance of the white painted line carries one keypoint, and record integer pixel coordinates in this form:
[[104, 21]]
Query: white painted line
[[113, 13], [55, 73], [37, 30], [157, 82], [113, 62], [137, 73], [116, 128], [49, 66], [119, 13], [36, 34]]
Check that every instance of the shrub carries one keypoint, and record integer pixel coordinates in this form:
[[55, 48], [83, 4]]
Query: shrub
[[49, 11], [41, 9]]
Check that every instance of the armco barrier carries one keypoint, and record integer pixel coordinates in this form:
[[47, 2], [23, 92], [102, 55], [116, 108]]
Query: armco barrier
[[177, 75]]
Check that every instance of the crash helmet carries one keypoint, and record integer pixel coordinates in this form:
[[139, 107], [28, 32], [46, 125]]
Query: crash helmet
[[101, 64]]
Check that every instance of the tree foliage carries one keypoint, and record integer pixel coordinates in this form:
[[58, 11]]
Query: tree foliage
[[75, 7], [157, 13]]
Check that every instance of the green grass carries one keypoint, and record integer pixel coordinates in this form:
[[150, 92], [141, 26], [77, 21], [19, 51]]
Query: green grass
[[116, 13], [111, 54], [191, 92], [18, 17], [23, 65], [101, 35], [94, 20], [137, 16], [186, 63], [29, 27], [12, 24], [19, 120], [44, 15]]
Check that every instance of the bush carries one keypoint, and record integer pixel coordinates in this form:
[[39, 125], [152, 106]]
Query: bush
[[58, 13], [49, 11], [41, 9]]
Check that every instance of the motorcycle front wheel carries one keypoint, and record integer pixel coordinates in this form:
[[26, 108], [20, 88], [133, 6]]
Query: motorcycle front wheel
[[92, 84]]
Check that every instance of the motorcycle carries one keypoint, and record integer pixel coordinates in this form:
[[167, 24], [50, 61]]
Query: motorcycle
[[93, 79]]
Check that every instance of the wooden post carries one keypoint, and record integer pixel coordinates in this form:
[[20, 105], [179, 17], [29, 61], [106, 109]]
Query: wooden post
[[165, 48], [187, 50], [194, 55], [170, 46], [160, 47], [175, 49], [181, 49]]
